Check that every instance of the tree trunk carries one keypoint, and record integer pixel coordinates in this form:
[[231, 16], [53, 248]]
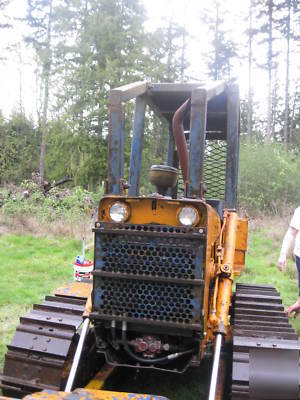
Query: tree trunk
[[216, 71], [270, 56], [182, 64], [287, 80], [249, 105], [46, 79]]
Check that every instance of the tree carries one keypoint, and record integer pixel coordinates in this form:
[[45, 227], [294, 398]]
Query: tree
[[104, 47], [287, 9], [224, 50], [265, 14], [40, 17], [250, 56], [19, 148]]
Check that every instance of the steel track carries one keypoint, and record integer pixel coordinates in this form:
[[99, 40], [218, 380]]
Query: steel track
[[265, 346], [41, 351]]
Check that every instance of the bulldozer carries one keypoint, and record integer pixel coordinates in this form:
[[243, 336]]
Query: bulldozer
[[163, 295]]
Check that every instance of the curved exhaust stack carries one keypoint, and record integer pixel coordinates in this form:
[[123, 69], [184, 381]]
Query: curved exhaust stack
[[180, 140]]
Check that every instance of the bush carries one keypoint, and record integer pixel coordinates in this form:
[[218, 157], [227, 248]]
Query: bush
[[268, 179], [69, 204]]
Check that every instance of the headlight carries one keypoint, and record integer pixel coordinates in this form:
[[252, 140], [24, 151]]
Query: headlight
[[118, 212], [188, 216]]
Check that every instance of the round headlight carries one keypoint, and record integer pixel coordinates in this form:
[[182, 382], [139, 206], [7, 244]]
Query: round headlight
[[188, 216], [118, 212]]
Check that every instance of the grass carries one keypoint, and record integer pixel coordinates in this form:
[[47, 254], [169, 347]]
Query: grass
[[261, 262], [32, 267]]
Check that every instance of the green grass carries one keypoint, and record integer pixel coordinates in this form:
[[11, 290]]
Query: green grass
[[261, 267], [32, 267]]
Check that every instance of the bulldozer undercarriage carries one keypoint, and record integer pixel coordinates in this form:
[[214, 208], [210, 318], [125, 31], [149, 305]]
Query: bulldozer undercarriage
[[262, 362]]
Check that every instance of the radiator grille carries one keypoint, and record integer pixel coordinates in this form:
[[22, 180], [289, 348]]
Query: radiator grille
[[157, 301], [172, 258], [147, 274]]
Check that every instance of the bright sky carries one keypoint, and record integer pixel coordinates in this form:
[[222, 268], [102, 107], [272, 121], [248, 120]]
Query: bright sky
[[159, 11]]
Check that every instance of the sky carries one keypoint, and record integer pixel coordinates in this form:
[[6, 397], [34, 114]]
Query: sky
[[186, 12]]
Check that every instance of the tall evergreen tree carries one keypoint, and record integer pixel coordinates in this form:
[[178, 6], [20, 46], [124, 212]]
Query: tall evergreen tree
[[250, 62], [224, 50], [288, 10], [265, 10], [40, 17]]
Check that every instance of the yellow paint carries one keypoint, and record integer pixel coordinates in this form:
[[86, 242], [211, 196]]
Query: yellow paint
[[152, 210], [90, 394], [99, 379], [225, 248]]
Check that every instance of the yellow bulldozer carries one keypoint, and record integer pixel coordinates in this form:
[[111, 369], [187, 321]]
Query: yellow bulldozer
[[162, 295]]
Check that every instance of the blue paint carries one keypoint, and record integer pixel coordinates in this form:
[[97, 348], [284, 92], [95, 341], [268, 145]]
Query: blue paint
[[98, 262], [137, 145], [97, 296], [232, 147], [115, 148], [197, 142]]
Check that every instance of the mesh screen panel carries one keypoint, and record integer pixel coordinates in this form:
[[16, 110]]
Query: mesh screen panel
[[215, 169]]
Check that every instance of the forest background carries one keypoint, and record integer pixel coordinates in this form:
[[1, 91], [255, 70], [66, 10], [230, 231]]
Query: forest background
[[84, 48]]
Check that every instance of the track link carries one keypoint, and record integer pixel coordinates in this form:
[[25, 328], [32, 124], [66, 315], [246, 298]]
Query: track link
[[40, 353], [265, 346]]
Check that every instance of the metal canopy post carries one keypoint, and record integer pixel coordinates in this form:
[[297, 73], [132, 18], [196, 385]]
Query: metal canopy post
[[197, 140], [116, 142], [116, 139], [137, 145], [232, 146]]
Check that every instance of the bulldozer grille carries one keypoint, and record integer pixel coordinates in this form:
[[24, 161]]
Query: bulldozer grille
[[149, 273], [215, 169]]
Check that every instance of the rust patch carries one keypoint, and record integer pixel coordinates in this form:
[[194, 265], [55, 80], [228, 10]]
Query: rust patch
[[75, 289]]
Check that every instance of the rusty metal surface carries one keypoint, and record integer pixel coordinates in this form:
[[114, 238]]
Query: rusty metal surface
[[151, 230], [88, 394], [265, 347], [39, 354], [79, 290], [180, 140]]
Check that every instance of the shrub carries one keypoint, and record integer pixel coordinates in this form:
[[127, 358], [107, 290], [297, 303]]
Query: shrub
[[268, 179], [69, 204]]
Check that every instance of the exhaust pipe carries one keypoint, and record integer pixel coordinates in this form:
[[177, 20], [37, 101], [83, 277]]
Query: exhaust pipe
[[178, 132]]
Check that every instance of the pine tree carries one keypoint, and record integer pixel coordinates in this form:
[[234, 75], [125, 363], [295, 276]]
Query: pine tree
[[40, 17], [265, 10], [250, 60], [288, 10], [224, 50]]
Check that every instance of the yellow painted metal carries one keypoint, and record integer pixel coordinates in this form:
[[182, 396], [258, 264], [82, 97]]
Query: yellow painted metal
[[213, 233], [89, 394], [152, 210], [75, 289], [226, 271], [240, 246], [99, 379], [88, 306], [225, 248]]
